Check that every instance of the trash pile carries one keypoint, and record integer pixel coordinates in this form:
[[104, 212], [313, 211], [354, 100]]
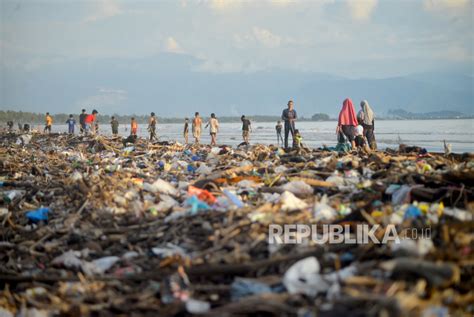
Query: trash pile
[[93, 226]]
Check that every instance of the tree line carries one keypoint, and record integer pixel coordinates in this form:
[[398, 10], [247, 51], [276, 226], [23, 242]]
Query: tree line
[[59, 118]]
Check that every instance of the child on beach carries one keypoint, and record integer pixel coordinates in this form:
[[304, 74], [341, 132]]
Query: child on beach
[[71, 122], [298, 139], [133, 127], [360, 140], [186, 130], [213, 125], [278, 129]]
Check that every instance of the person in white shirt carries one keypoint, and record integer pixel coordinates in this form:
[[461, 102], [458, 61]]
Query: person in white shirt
[[214, 128], [360, 140]]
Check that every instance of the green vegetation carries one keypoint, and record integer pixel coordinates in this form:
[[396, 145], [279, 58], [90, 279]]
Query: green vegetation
[[320, 117]]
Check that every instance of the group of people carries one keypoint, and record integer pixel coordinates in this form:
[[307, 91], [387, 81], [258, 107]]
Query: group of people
[[358, 129], [196, 128], [354, 129]]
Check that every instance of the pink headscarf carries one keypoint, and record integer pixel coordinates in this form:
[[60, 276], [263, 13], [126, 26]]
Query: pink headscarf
[[347, 116]]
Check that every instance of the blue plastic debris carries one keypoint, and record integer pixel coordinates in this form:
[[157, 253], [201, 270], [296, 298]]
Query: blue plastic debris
[[233, 198], [196, 204], [38, 215], [196, 158], [191, 168], [412, 212], [347, 257], [242, 287]]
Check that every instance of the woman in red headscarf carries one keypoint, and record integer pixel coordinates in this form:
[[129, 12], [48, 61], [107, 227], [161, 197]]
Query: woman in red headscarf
[[347, 121]]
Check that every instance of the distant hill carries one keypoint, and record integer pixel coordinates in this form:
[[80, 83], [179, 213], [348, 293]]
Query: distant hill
[[403, 114], [171, 86]]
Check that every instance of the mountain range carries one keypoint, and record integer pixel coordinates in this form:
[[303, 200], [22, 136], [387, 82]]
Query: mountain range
[[174, 85]]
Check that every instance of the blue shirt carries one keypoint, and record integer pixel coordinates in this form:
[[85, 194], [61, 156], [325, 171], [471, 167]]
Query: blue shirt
[[71, 122]]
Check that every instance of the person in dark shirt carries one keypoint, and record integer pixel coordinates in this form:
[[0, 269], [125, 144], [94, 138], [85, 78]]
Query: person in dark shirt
[[186, 130], [115, 124], [289, 117], [246, 129], [152, 126], [278, 128], [82, 121]]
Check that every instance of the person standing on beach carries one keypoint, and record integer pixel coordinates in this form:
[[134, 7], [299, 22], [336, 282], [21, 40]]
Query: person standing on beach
[[89, 122], [246, 129], [152, 126], [197, 125], [186, 130], [213, 125], [289, 116], [48, 123], [133, 127], [82, 121], [347, 121], [278, 129], [114, 124], [71, 123], [366, 118]]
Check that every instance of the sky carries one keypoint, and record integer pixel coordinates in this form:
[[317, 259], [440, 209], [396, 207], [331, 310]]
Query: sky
[[354, 39]]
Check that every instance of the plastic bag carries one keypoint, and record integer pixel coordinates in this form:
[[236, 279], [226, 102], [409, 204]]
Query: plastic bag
[[243, 287], [233, 198], [196, 205], [38, 215], [202, 194], [161, 186], [324, 212], [298, 188], [291, 202]]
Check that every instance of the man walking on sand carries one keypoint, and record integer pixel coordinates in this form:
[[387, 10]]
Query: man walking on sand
[[289, 117], [197, 125], [114, 124], [152, 126], [90, 122], [186, 130], [246, 129], [48, 123], [213, 125], [82, 121]]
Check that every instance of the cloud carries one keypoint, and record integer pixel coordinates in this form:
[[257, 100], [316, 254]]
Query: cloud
[[361, 10], [223, 5], [172, 46], [266, 38], [104, 9], [105, 97], [440, 5]]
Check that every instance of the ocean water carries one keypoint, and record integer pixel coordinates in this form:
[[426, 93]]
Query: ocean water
[[388, 133]]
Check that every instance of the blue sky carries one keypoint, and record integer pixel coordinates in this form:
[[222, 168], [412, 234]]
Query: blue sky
[[355, 39]]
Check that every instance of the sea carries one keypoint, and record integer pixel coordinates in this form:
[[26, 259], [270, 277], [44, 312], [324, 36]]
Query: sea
[[428, 134]]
